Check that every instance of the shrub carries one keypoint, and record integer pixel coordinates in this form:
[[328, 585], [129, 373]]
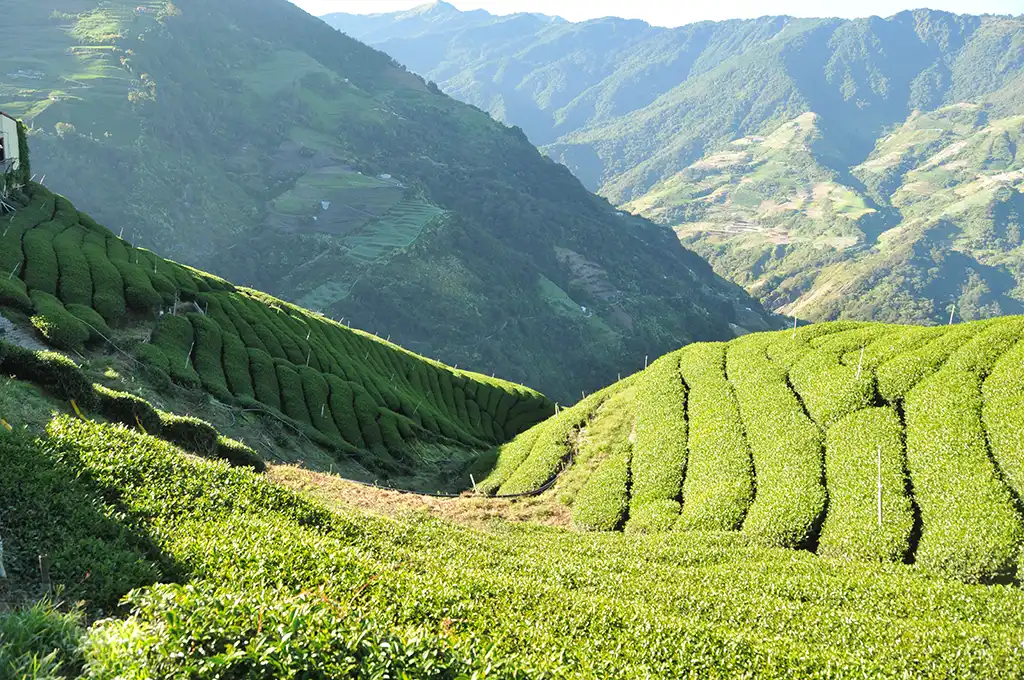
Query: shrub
[[603, 501], [13, 294], [239, 455], [864, 450], [830, 390], [1003, 413], [236, 366], [139, 293], [191, 434], [900, 374], [40, 259], [94, 226], [207, 355], [128, 409], [75, 283], [108, 287], [293, 399], [366, 413], [388, 422], [719, 486], [155, 365], [343, 410], [53, 371], [98, 328], [785, 445], [551, 448], [264, 378], [317, 395], [659, 452], [175, 336], [60, 327], [970, 525]]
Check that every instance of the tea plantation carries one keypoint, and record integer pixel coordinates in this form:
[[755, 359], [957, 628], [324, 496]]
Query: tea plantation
[[865, 441], [347, 391], [838, 501], [230, 575]]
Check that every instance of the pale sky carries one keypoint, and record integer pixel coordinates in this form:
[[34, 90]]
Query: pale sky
[[677, 12]]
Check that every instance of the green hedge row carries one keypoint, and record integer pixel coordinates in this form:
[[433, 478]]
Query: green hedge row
[[175, 336], [61, 328], [75, 282], [897, 376], [786, 447], [1003, 415], [971, 527], [829, 389], [108, 293], [602, 503], [52, 371], [551, 447], [659, 453], [869, 512], [719, 485]]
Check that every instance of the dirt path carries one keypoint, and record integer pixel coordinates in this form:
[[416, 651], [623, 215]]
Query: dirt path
[[17, 336]]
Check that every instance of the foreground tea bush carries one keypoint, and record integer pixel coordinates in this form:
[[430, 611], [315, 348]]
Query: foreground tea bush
[[659, 452], [869, 512], [271, 585], [971, 527], [786, 447], [719, 482]]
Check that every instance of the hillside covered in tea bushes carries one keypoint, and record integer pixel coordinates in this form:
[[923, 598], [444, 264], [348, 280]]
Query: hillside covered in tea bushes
[[249, 139], [366, 402], [229, 574], [862, 441], [772, 490]]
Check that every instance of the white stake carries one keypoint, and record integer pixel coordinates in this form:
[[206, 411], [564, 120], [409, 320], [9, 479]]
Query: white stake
[[189, 357], [860, 364], [322, 408], [645, 361], [794, 326], [951, 312], [879, 486], [474, 483]]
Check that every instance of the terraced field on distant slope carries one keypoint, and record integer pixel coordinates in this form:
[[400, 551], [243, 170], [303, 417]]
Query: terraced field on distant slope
[[861, 440], [350, 392]]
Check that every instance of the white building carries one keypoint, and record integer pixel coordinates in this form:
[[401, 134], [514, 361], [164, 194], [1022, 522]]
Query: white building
[[9, 148]]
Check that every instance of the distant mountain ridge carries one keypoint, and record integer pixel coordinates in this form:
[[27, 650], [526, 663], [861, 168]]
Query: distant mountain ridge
[[252, 140], [642, 114]]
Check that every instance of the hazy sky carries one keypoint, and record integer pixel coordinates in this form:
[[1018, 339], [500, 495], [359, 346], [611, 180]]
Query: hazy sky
[[677, 12]]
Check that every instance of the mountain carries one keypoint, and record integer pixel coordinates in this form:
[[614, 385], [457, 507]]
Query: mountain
[[768, 143], [251, 140], [856, 440]]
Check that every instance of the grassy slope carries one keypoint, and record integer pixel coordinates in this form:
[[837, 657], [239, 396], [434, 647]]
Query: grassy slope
[[215, 135], [869, 441], [850, 218], [368, 403], [257, 582]]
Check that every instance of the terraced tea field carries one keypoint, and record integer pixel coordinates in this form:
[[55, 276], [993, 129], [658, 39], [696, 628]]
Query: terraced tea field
[[345, 390], [868, 441]]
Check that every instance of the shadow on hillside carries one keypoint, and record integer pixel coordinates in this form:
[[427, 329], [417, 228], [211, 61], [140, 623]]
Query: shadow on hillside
[[52, 509]]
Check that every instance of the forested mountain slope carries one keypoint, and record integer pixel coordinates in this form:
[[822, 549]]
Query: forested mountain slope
[[252, 140], [824, 164]]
